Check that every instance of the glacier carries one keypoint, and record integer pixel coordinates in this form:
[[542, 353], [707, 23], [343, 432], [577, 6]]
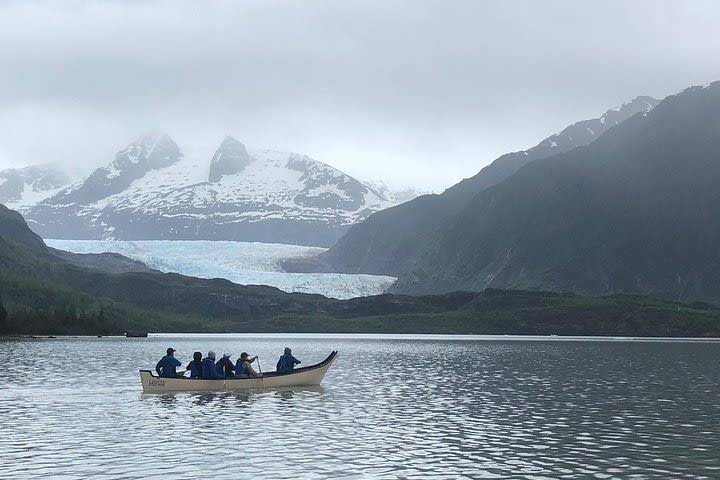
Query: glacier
[[246, 263]]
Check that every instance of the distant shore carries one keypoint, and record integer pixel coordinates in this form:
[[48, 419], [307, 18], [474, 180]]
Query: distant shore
[[492, 312]]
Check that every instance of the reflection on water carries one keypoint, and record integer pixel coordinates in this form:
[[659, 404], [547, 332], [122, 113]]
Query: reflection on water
[[387, 409]]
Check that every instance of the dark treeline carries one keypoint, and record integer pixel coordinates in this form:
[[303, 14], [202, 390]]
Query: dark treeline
[[59, 320]]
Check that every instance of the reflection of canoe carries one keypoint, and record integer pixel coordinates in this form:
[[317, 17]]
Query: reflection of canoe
[[305, 376]]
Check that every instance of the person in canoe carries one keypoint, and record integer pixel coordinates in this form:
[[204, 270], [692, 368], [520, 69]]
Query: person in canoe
[[225, 366], [287, 362], [209, 371], [243, 367], [195, 367], [167, 365]]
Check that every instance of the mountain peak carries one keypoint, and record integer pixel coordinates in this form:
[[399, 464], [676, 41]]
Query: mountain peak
[[155, 149], [230, 141], [151, 137], [619, 114], [230, 158]]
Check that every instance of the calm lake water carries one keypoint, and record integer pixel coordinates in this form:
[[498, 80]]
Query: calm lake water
[[389, 408]]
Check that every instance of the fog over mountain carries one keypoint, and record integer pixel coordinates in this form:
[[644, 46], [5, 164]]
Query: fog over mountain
[[416, 93]]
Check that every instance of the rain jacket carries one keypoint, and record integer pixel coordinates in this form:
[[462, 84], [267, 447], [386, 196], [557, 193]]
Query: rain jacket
[[225, 367], [166, 366], [209, 371], [195, 369], [287, 363]]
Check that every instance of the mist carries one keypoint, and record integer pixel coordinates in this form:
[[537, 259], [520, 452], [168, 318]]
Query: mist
[[415, 93]]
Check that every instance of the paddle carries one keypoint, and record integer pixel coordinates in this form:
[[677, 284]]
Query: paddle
[[262, 379]]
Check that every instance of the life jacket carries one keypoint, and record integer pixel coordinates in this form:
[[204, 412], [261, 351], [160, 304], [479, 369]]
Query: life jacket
[[240, 368], [285, 364], [195, 369]]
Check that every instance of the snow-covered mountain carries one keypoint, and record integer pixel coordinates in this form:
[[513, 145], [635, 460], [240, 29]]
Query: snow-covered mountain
[[20, 187], [152, 191]]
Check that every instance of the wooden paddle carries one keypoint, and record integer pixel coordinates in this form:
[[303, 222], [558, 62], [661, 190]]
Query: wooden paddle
[[262, 379]]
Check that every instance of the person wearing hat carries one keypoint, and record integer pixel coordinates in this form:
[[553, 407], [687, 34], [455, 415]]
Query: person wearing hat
[[225, 367], [243, 367], [287, 362], [167, 365], [209, 371]]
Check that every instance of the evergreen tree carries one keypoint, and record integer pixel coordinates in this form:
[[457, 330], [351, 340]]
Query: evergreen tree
[[3, 318]]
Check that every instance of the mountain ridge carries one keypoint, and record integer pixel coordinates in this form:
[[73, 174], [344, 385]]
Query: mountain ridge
[[389, 242], [632, 212]]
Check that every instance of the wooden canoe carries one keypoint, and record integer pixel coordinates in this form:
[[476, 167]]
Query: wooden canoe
[[300, 377]]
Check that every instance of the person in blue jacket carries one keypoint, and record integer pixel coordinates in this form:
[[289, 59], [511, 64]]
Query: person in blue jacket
[[195, 367], [167, 365], [209, 371], [243, 367], [287, 362]]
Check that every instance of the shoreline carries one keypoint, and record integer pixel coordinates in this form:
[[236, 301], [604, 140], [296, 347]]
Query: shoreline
[[388, 336]]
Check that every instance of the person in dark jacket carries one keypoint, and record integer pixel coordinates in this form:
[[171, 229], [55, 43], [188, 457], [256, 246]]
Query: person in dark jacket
[[167, 365], [243, 367], [225, 366], [287, 362], [195, 367], [209, 372]]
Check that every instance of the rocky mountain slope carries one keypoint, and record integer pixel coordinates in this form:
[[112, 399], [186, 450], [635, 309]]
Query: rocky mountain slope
[[29, 185], [152, 191], [14, 229], [636, 211], [390, 242]]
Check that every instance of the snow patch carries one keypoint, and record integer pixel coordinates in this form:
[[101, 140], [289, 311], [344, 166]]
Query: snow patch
[[31, 196]]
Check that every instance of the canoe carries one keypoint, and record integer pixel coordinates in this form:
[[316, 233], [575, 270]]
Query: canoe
[[300, 377]]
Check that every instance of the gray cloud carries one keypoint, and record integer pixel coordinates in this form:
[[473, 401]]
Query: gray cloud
[[415, 92]]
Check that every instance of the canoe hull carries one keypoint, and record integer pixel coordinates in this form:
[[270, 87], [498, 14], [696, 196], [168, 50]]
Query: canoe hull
[[301, 377]]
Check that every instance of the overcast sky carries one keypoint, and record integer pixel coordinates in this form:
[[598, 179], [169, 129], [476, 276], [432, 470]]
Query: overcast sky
[[419, 93]]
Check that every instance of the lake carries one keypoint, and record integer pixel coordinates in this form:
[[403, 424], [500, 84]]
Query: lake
[[390, 407]]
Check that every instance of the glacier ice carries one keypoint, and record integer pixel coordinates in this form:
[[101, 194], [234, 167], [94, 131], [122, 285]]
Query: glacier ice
[[246, 263]]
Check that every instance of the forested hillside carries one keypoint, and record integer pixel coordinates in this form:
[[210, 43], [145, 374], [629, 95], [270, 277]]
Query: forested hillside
[[43, 294]]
